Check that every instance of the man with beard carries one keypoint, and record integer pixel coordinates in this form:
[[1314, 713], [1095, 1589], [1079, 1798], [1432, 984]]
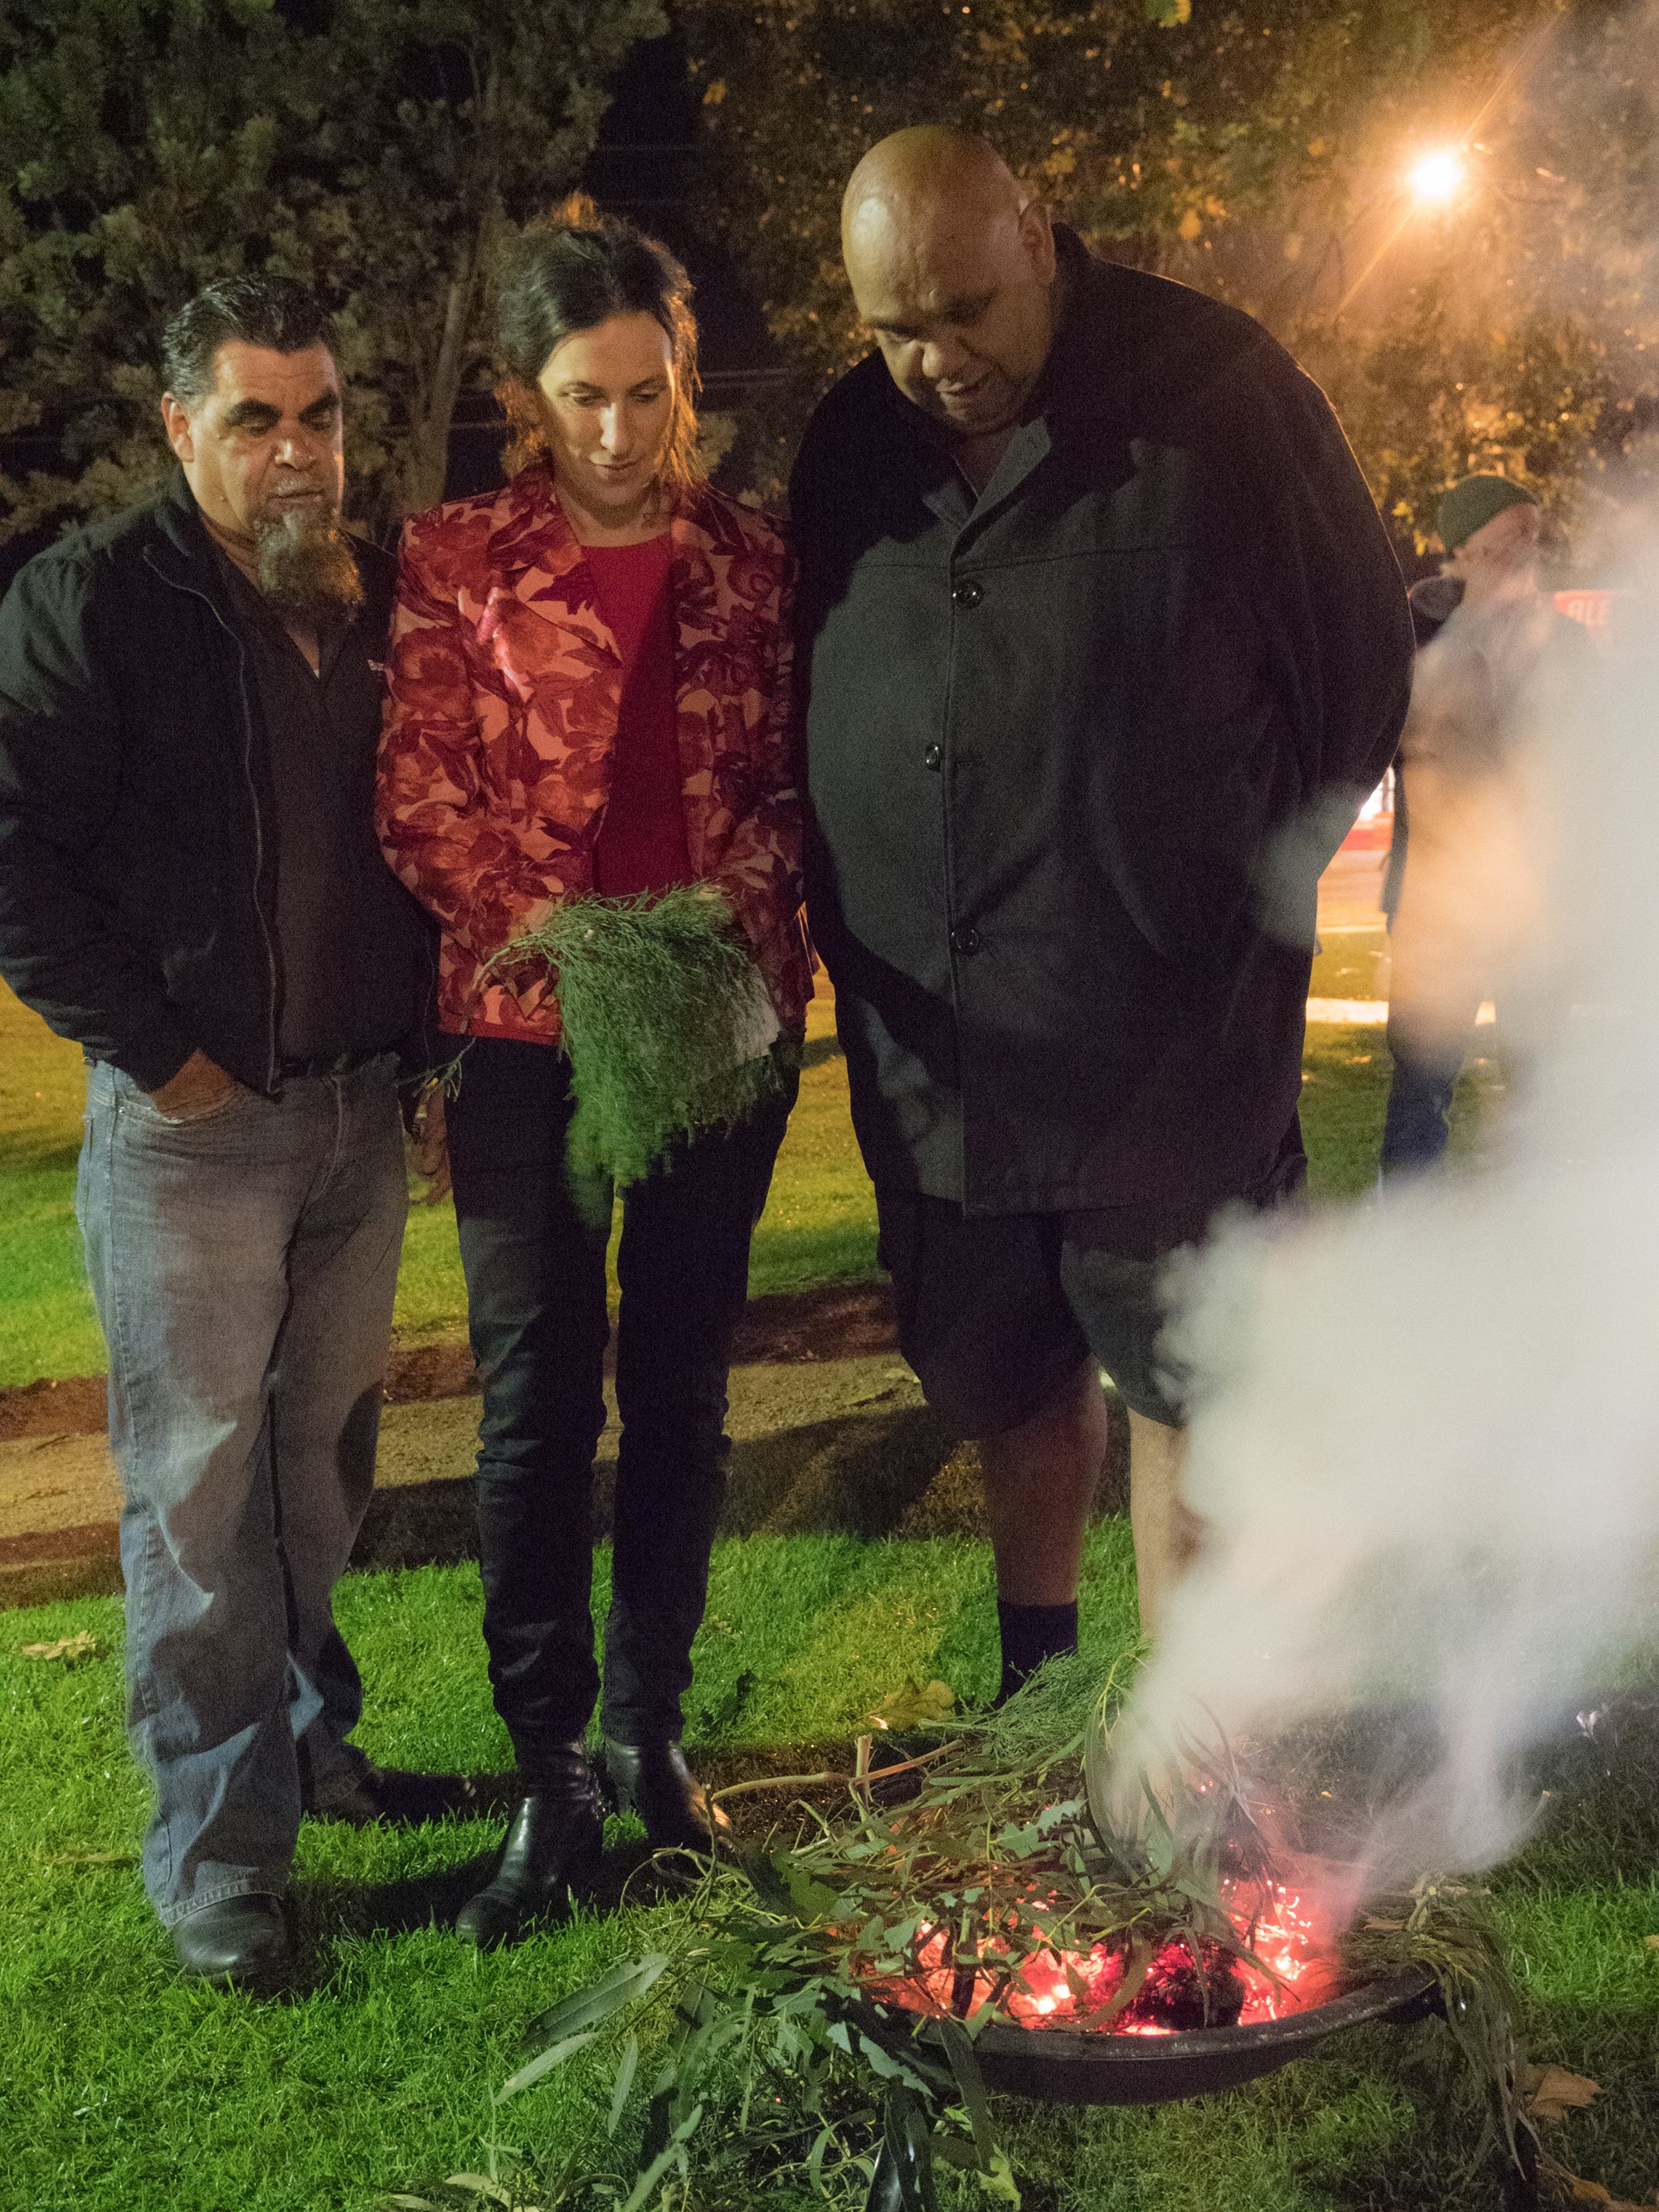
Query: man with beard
[[190, 887], [1104, 643]]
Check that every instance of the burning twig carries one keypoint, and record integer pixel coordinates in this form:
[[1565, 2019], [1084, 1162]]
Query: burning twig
[[863, 1776]]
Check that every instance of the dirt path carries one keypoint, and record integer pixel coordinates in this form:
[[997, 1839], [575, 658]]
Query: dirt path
[[835, 1321], [1351, 890], [828, 1427], [828, 1424], [817, 1444]]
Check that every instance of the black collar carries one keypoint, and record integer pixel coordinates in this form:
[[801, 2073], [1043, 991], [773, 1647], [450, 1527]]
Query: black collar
[[182, 553], [180, 519], [1070, 382]]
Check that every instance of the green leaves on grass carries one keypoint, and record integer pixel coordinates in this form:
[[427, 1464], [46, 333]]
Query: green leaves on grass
[[672, 2155], [623, 2085], [591, 2008], [567, 2028], [544, 2063], [829, 1990]]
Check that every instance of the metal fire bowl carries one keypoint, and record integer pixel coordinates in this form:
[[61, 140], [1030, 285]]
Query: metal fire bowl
[[1060, 2066]]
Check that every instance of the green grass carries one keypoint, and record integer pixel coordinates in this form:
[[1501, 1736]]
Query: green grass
[[47, 1326], [1352, 964], [128, 2091], [125, 2089], [819, 1224]]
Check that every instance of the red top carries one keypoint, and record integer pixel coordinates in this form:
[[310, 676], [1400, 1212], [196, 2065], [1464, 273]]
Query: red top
[[641, 842]]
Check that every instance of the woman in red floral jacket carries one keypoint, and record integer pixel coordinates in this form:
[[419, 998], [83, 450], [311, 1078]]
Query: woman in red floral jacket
[[588, 693]]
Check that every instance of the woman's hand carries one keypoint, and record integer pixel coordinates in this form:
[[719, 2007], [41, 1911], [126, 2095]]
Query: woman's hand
[[717, 897]]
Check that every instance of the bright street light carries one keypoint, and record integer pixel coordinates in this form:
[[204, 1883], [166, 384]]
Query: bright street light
[[1435, 179]]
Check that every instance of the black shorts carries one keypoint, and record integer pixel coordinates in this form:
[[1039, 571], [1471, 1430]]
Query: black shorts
[[997, 1311]]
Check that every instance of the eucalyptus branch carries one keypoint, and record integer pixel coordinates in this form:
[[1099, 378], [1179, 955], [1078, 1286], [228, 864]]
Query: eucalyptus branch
[[855, 1781]]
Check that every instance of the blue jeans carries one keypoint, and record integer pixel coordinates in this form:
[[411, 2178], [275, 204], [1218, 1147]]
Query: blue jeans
[[243, 1264], [1417, 1124]]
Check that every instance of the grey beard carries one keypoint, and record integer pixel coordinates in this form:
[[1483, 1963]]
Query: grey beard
[[307, 568]]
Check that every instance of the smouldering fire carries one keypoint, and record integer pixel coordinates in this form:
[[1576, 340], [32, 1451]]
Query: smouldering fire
[[1294, 1939], [1288, 1965]]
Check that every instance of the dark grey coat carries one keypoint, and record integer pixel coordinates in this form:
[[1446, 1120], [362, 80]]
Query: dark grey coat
[[1058, 740]]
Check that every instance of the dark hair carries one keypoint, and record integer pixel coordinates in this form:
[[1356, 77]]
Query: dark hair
[[569, 270], [257, 311]]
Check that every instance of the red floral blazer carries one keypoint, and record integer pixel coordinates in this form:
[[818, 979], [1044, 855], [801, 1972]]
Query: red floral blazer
[[503, 687]]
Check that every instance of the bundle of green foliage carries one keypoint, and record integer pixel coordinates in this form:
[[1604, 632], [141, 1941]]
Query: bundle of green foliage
[[663, 1017]]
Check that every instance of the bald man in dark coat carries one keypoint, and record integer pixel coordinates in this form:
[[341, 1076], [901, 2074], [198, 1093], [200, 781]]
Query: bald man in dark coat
[[1103, 645]]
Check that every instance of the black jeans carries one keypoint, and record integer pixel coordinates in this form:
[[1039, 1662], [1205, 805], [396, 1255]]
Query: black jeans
[[533, 1249]]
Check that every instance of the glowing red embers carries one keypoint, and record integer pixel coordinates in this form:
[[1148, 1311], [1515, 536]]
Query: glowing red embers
[[1289, 1934], [1279, 1925]]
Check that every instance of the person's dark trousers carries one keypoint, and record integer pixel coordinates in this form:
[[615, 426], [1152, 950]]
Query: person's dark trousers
[[244, 1264], [1418, 1123], [533, 1233]]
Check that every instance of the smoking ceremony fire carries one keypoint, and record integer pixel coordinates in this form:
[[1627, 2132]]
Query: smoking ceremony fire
[[1284, 1963]]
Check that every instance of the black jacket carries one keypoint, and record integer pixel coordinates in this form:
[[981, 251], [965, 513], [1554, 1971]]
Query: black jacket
[[138, 854], [1066, 744]]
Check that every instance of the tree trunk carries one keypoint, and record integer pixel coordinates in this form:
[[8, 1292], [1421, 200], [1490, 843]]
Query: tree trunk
[[426, 462], [427, 457]]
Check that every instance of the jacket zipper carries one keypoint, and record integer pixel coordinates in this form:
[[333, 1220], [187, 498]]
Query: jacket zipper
[[259, 824]]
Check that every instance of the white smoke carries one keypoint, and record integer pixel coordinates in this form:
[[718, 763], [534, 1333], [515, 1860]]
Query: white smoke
[[1427, 1447]]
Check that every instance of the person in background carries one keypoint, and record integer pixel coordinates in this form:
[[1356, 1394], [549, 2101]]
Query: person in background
[[1101, 626], [1488, 636], [589, 692], [190, 888]]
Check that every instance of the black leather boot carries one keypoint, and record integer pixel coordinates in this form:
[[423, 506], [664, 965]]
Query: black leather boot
[[653, 1780], [553, 1844], [240, 1943]]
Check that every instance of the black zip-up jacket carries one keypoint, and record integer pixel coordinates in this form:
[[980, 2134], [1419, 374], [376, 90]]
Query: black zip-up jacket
[[138, 837], [1067, 745]]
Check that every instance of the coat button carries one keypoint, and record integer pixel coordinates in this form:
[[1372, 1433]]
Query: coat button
[[933, 757], [967, 593], [964, 938]]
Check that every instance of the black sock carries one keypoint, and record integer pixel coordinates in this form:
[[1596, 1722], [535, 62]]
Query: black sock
[[1031, 1634]]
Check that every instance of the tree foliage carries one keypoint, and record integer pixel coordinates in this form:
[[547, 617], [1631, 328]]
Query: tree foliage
[[1256, 149], [370, 147]]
